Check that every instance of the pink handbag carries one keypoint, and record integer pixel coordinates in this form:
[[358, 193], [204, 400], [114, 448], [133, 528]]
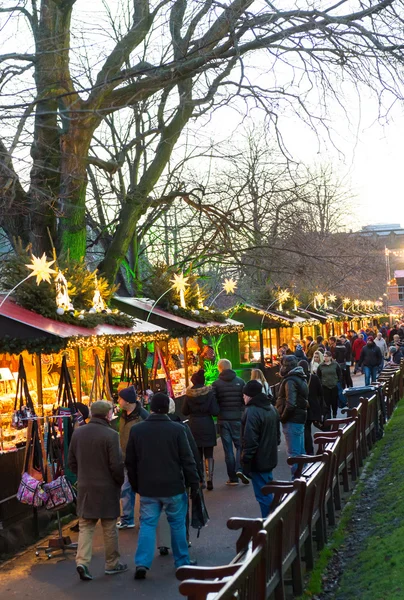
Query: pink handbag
[[31, 492], [59, 493]]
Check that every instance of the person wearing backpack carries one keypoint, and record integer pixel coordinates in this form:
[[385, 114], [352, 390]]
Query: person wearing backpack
[[315, 411], [292, 404]]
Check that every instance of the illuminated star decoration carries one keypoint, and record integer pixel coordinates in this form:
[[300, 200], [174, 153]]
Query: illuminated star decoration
[[41, 269], [357, 302], [229, 286], [180, 283], [332, 298], [346, 301]]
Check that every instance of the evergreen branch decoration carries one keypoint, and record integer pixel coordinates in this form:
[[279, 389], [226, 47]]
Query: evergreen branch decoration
[[41, 298]]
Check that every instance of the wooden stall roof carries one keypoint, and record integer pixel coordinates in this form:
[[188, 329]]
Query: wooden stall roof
[[143, 306]]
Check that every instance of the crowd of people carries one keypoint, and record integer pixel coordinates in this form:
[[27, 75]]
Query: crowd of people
[[166, 461]]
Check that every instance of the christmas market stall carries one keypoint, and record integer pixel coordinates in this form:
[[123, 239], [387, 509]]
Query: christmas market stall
[[264, 332], [195, 337], [57, 333], [43, 346]]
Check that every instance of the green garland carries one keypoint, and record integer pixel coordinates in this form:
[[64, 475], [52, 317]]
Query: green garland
[[41, 298], [43, 345], [91, 320], [204, 316]]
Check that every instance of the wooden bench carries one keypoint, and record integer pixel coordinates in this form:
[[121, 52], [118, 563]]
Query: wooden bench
[[281, 526], [243, 581], [316, 472], [350, 439]]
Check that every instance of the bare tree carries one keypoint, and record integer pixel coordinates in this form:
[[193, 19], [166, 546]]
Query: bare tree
[[190, 57]]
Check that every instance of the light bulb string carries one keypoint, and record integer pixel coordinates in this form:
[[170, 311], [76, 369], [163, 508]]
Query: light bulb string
[[14, 288], [157, 301], [265, 314], [216, 297]]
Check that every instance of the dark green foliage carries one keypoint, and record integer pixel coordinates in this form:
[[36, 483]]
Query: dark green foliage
[[33, 346], [42, 298]]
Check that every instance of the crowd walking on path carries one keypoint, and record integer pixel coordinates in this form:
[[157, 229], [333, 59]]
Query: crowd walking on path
[[164, 462]]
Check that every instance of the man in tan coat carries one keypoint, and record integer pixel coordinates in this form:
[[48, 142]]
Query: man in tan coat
[[96, 458]]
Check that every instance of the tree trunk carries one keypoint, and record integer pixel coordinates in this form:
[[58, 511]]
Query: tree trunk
[[52, 41], [73, 185]]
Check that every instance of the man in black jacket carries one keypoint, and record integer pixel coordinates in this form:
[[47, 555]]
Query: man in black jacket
[[229, 394], [343, 340], [260, 434], [370, 359], [160, 467], [292, 405]]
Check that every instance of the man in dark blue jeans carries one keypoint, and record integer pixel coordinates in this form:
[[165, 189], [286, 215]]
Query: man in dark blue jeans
[[229, 394], [370, 360]]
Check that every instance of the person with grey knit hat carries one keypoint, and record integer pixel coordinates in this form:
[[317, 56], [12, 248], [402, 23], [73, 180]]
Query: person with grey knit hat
[[292, 404], [132, 413]]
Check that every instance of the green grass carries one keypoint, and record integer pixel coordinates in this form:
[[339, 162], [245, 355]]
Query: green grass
[[376, 572]]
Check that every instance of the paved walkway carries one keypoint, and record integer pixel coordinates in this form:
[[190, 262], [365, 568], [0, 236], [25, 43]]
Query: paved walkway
[[27, 577]]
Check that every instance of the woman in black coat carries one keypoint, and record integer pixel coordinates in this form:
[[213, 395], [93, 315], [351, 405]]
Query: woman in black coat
[[315, 411], [201, 405]]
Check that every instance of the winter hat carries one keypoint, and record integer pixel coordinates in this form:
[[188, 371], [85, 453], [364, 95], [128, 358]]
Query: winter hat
[[289, 362], [100, 408], [371, 338], [198, 378], [305, 366], [252, 388], [83, 408], [393, 349], [299, 347], [128, 394], [160, 403]]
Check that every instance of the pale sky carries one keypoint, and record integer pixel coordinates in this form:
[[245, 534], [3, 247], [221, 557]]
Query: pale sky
[[367, 154]]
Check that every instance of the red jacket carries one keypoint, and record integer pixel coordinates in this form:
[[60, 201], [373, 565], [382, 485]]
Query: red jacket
[[357, 348]]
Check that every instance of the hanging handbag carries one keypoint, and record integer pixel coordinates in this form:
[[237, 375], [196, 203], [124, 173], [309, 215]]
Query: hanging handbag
[[107, 383], [23, 406], [59, 490], [140, 373], [158, 384], [127, 374], [66, 400], [59, 493], [208, 353], [31, 489], [100, 388]]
